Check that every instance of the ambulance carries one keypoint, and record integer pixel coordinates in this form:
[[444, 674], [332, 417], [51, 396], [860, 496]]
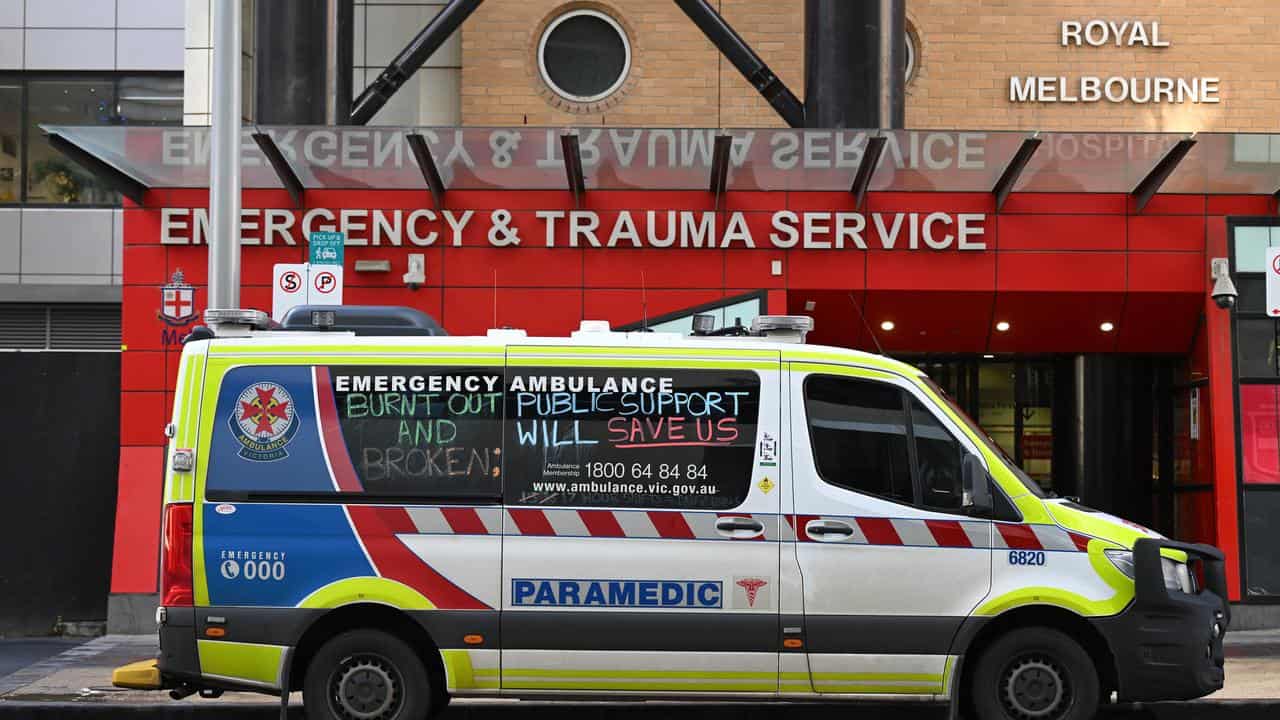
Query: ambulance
[[384, 518]]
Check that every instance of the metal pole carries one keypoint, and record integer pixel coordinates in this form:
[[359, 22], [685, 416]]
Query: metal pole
[[224, 159], [339, 24], [855, 63]]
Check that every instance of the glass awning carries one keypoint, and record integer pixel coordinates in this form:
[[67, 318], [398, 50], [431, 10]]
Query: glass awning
[[524, 158]]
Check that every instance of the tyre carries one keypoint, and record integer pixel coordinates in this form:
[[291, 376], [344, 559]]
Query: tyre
[[366, 675], [1034, 674]]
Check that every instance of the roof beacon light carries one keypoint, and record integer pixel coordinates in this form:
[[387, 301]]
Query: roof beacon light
[[323, 319], [704, 324], [783, 328], [244, 318]]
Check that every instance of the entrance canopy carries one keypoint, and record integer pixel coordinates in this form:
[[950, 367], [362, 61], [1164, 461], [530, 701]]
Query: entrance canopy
[[524, 158]]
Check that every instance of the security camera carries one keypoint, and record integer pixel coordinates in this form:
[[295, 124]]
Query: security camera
[[417, 275], [1224, 291]]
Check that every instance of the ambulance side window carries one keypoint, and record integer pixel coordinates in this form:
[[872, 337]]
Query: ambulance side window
[[420, 430], [630, 438], [938, 460], [858, 429]]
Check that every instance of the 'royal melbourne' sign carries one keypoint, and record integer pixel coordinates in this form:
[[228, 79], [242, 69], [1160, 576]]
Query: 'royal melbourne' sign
[[423, 227], [1141, 90]]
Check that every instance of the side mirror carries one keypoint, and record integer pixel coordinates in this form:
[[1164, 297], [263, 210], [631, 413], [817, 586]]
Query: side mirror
[[977, 486]]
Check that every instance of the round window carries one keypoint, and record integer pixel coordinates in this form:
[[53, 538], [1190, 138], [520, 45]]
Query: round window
[[584, 55], [910, 56]]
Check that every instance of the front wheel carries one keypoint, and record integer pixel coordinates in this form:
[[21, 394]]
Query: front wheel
[[1035, 674], [366, 675]]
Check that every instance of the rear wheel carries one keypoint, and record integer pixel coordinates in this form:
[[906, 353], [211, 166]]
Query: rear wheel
[[366, 675], [1035, 674]]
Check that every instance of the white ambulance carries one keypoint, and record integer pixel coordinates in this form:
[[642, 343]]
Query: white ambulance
[[385, 518]]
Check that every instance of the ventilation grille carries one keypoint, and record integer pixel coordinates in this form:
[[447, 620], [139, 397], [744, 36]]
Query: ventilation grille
[[73, 326]]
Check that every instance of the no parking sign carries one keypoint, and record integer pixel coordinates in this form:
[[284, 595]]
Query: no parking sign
[[288, 288]]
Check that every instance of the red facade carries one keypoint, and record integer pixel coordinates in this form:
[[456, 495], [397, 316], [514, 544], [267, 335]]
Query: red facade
[[1054, 266]]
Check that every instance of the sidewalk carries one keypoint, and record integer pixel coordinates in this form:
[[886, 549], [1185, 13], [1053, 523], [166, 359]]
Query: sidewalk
[[82, 677]]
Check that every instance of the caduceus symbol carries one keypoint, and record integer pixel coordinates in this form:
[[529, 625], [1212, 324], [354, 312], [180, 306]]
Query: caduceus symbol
[[752, 586]]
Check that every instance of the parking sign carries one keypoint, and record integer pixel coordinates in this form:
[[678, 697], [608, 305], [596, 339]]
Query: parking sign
[[288, 288], [326, 248]]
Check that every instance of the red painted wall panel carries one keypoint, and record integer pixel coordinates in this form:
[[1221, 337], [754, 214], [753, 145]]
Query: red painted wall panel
[[136, 555], [142, 418], [1078, 272], [1061, 232], [1166, 232], [526, 266], [908, 273], [1173, 272]]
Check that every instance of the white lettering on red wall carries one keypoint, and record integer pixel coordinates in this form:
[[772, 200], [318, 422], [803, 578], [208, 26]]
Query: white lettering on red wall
[[812, 230]]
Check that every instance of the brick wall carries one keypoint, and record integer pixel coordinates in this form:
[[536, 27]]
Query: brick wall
[[678, 78], [967, 51]]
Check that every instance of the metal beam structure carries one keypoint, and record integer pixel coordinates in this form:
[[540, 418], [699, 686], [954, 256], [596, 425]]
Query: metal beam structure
[[1150, 185], [866, 169], [281, 165], [427, 164], [855, 58], [720, 166], [572, 150], [423, 45], [116, 179], [224, 159], [739, 53], [302, 62], [1014, 169]]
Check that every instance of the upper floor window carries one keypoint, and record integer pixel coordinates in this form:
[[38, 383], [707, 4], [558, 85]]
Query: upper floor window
[[31, 171], [584, 56]]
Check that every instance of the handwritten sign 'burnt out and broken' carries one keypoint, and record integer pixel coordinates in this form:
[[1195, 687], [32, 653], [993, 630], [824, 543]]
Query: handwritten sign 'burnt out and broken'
[[422, 431]]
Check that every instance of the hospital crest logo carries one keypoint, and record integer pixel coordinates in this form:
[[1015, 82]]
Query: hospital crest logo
[[264, 421], [177, 301]]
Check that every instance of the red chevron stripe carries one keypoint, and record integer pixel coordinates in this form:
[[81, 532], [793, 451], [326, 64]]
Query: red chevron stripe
[[601, 523], [1081, 541], [879, 531], [377, 528], [335, 448], [671, 525], [1019, 537], [531, 521], [464, 520], [948, 533]]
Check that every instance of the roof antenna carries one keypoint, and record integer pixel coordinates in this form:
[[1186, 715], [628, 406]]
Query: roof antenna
[[644, 301], [874, 339]]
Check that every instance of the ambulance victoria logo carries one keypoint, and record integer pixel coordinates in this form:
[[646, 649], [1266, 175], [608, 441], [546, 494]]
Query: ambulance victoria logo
[[264, 421]]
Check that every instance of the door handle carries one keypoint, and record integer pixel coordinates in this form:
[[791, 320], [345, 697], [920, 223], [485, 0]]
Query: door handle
[[739, 527], [828, 530]]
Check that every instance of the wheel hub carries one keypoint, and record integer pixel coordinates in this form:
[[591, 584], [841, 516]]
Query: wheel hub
[[1035, 688], [366, 687]]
